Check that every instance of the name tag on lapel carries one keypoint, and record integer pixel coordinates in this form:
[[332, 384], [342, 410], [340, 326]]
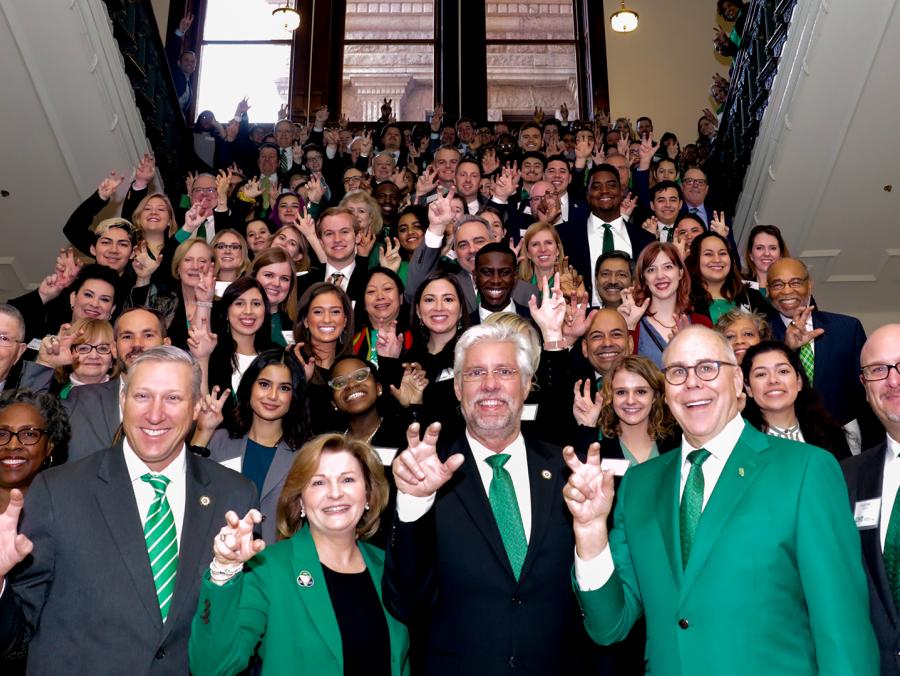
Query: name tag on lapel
[[446, 374], [386, 455], [220, 288], [867, 513], [35, 344], [529, 412], [232, 463], [288, 337], [618, 465]]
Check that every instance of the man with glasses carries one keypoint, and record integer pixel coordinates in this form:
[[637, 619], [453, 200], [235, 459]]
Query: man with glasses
[[12, 341], [873, 479], [480, 554], [738, 548], [695, 186], [829, 345]]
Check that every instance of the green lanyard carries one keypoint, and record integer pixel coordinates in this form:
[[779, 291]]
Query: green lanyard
[[372, 340]]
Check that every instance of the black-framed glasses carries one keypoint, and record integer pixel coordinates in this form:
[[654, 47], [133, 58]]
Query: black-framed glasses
[[707, 370], [694, 181], [222, 246], [795, 283], [28, 437], [357, 376], [87, 348], [874, 372]]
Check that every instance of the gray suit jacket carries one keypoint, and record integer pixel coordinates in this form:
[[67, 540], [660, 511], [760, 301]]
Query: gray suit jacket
[[223, 448], [84, 599], [93, 410], [425, 259]]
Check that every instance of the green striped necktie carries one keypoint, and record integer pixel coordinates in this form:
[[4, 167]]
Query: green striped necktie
[[162, 542]]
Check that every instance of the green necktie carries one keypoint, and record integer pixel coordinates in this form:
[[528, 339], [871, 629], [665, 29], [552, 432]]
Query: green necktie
[[691, 502], [162, 542], [502, 496], [608, 244], [668, 237], [892, 550], [808, 360]]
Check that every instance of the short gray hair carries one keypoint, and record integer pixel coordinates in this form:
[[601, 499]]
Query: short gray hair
[[471, 218], [13, 312], [527, 357], [684, 333], [171, 355]]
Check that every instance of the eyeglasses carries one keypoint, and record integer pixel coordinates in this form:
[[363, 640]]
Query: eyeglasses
[[87, 348], [8, 341], [28, 437], [222, 246], [478, 374], [795, 283], [694, 181], [353, 179], [208, 191], [874, 372], [358, 376], [705, 370]]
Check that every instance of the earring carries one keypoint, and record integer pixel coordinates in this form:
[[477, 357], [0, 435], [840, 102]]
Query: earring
[[367, 507], [302, 512], [459, 324]]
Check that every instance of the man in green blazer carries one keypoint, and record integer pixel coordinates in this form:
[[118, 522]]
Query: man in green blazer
[[740, 548]]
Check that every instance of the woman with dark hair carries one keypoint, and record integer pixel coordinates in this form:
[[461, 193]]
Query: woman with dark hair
[[289, 238], [716, 282], [765, 245], [241, 322], [659, 303], [274, 270], [781, 402], [410, 233], [258, 237], [270, 421], [285, 210], [312, 601], [663, 169], [382, 319]]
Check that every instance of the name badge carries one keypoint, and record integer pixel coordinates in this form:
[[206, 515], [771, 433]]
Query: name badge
[[522, 231], [867, 513], [618, 465], [386, 455], [288, 337], [529, 412], [35, 344], [220, 288], [446, 374], [300, 273]]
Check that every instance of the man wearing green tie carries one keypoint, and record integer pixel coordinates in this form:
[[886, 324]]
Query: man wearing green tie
[[740, 550], [103, 575]]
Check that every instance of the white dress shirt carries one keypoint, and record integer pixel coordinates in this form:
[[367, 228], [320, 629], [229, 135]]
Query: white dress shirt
[[563, 208], [621, 242], [484, 313], [176, 491], [474, 207], [347, 271], [663, 230], [700, 211], [595, 573], [412, 508], [890, 483]]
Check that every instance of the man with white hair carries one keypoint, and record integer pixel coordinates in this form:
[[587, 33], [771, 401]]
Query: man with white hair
[[479, 558]]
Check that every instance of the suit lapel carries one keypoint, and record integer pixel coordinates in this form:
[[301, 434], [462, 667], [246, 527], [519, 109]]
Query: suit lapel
[[667, 510], [314, 592], [465, 281], [821, 350], [545, 488], [281, 464], [396, 630], [115, 498], [869, 486], [111, 407], [740, 472], [196, 536]]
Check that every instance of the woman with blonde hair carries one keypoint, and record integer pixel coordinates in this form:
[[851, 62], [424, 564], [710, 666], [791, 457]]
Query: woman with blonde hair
[[232, 258], [155, 218], [542, 254], [93, 356], [366, 210], [313, 598]]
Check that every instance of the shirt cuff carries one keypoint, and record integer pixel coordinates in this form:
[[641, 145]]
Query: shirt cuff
[[593, 574], [411, 508], [433, 241]]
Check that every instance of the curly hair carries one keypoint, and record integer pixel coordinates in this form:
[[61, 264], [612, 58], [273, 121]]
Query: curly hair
[[56, 419], [660, 423]]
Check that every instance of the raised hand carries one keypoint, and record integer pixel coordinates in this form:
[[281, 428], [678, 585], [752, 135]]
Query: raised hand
[[427, 182], [242, 107], [223, 183], [344, 121], [297, 152], [439, 212], [315, 191], [14, 546], [109, 185], [194, 217], [251, 189], [389, 254], [389, 343], [552, 313], [418, 471], [651, 225], [517, 248], [489, 161], [201, 341], [587, 404], [599, 156], [144, 172], [211, 417], [365, 242], [601, 117], [680, 242], [365, 146], [796, 334], [68, 264], [189, 181], [412, 385], [398, 178], [589, 494], [234, 543], [717, 223], [564, 112], [56, 351], [570, 281], [538, 114], [630, 310], [626, 208], [308, 366], [646, 152], [622, 146], [437, 117], [185, 24], [549, 208], [51, 286], [274, 192], [144, 263], [283, 112], [584, 148]]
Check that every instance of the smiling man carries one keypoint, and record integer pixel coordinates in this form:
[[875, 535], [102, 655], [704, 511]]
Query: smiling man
[[342, 267], [496, 274], [116, 541], [692, 527]]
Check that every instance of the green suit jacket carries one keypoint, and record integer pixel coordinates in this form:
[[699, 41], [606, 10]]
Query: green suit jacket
[[774, 583], [296, 624]]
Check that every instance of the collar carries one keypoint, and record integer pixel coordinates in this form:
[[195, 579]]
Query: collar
[[596, 223], [136, 467], [809, 322], [76, 382], [346, 271], [480, 452], [485, 313], [892, 448], [720, 445]]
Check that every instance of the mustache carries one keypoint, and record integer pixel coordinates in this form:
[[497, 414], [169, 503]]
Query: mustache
[[613, 285]]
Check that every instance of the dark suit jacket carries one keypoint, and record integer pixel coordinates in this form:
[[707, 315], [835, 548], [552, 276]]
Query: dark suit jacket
[[864, 474], [355, 286], [84, 599], [521, 310], [93, 410], [448, 575], [574, 237]]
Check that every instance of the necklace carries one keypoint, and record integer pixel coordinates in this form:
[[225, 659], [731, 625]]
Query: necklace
[[665, 326], [369, 438]]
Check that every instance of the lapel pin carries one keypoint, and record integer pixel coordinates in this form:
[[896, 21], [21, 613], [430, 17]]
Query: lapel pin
[[740, 471], [305, 579], [546, 474], [204, 500]]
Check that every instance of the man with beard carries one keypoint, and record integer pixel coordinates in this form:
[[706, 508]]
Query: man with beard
[[479, 561], [495, 278], [614, 271], [93, 410]]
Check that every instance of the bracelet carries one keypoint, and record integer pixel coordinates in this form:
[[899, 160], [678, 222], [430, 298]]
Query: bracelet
[[204, 303], [246, 198], [561, 344], [223, 573]]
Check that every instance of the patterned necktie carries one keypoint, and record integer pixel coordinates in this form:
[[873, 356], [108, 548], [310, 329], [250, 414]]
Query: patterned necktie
[[691, 502], [892, 550], [283, 164], [808, 360], [336, 278], [668, 233], [694, 210], [502, 496], [608, 244], [162, 542]]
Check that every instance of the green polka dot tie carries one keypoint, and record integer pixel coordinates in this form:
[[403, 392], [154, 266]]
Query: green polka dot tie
[[691, 502], [162, 542], [502, 496]]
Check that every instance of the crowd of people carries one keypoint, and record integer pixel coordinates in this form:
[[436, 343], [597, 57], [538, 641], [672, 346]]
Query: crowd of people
[[311, 416]]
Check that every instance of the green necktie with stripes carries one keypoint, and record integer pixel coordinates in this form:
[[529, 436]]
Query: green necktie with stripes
[[162, 542]]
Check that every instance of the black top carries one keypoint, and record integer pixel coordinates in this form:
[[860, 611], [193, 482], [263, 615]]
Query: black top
[[360, 617]]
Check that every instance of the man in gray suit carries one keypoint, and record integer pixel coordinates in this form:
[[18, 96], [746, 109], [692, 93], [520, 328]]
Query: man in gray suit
[[94, 409], [104, 573], [470, 234]]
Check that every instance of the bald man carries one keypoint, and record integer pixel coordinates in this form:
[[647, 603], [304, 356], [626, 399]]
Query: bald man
[[873, 479]]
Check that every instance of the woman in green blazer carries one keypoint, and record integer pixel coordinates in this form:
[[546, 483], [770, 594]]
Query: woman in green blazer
[[313, 600]]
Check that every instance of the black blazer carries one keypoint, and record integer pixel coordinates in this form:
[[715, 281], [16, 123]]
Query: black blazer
[[85, 596], [448, 576], [355, 286], [864, 475]]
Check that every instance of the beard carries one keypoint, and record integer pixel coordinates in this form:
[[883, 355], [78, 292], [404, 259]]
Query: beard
[[490, 424]]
